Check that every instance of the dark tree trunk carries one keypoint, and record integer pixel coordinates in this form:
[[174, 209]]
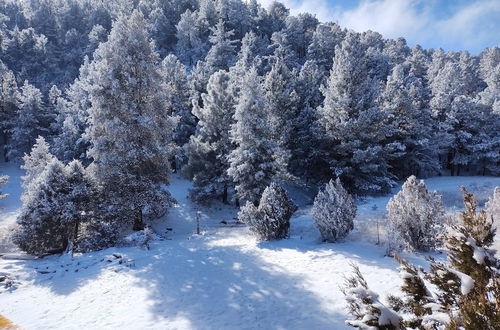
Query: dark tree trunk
[[224, 196], [138, 223]]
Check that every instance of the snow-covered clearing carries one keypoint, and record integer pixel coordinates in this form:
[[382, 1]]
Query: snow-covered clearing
[[222, 279]]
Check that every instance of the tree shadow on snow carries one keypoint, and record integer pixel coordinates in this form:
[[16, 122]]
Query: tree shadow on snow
[[224, 288]]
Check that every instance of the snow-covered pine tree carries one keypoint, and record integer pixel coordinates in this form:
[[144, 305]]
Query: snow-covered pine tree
[[487, 145], [322, 47], [415, 304], [355, 129], [251, 53], [271, 219], [306, 154], [8, 106], [209, 149], [419, 61], [334, 211], [28, 123], [191, 46], [404, 100], [81, 201], [72, 115], [130, 129], [36, 161], [258, 159], [279, 89], [469, 286], [179, 101], [221, 56], [58, 210], [456, 114], [415, 218], [46, 218]]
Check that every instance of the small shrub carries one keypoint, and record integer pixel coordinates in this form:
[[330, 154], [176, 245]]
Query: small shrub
[[271, 220], [415, 218], [334, 211]]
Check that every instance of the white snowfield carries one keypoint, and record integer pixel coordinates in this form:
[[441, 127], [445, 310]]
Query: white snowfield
[[222, 279]]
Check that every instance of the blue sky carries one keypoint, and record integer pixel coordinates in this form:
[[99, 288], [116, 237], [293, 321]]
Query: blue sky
[[450, 24]]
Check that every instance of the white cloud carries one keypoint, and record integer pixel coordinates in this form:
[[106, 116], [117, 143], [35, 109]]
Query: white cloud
[[473, 27]]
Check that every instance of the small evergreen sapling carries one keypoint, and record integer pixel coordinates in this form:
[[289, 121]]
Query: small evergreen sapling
[[416, 218], [465, 292], [334, 211], [416, 303], [365, 307], [469, 288], [271, 219]]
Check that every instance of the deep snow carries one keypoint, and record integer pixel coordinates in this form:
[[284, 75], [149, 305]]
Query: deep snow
[[222, 279]]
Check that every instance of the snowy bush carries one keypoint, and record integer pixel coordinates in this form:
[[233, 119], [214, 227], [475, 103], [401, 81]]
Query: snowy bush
[[334, 211], [271, 220], [3, 180], [97, 235], [140, 238], [415, 218]]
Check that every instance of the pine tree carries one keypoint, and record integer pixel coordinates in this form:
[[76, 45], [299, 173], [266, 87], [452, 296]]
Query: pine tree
[[334, 212], [210, 147], [221, 56], [305, 139], [175, 76], [279, 89], [365, 307], [415, 304], [81, 200], [72, 115], [8, 105], [271, 219], [45, 220], [190, 45], [355, 129], [469, 287], [322, 47], [29, 121], [36, 161], [223, 51], [257, 159], [415, 218], [130, 130], [404, 100]]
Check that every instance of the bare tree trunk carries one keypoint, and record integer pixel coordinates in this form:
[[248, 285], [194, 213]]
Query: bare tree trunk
[[138, 223], [224, 196]]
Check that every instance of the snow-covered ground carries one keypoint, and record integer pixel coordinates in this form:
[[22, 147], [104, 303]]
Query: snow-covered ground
[[222, 279]]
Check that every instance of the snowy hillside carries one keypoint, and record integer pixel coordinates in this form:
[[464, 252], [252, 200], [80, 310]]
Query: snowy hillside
[[222, 279]]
